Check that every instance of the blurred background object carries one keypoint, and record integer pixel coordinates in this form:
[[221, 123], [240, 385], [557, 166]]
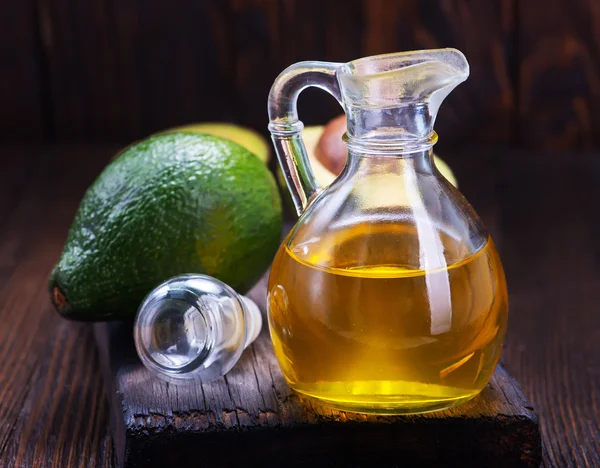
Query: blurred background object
[[118, 70]]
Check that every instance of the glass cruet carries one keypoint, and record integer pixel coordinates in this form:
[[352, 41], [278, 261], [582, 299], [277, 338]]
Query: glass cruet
[[388, 295]]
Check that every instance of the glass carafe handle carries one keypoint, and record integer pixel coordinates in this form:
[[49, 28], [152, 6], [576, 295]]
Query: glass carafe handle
[[286, 129]]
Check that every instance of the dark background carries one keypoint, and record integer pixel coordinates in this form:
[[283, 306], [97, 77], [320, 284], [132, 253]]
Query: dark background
[[112, 71], [81, 78]]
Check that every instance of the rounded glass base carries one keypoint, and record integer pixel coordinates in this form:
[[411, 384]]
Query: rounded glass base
[[390, 404]]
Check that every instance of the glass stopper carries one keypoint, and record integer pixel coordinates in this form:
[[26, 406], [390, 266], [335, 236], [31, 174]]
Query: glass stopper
[[194, 327]]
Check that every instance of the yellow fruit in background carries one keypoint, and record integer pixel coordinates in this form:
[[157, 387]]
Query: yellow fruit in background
[[445, 170], [249, 139], [255, 143], [311, 136]]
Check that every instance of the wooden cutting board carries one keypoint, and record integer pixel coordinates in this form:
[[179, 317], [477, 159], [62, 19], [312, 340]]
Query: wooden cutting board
[[251, 417]]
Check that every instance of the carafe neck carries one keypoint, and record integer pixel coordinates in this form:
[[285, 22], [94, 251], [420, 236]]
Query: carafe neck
[[397, 130], [369, 161]]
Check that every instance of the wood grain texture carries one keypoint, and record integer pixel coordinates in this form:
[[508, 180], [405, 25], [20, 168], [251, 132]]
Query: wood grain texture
[[13, 180], [478, 111], [552, 261], [253, 410], [559, 74], [120, 70], [52, 403], [551, 258], [253, 29], [21, 115], [537, 206], [112, 70]]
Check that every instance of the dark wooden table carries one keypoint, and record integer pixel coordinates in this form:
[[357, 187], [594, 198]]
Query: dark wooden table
[[543, 209]]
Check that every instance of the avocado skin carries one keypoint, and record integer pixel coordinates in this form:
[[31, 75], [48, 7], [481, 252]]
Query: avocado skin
[[172, 204]]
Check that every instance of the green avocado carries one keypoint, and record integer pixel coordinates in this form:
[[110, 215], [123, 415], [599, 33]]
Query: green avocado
[[172, 204]]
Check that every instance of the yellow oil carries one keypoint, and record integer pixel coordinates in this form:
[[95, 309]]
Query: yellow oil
[[357, 326]]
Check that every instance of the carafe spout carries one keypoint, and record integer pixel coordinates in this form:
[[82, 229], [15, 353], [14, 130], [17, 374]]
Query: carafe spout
[[391, 102], [397, 96]]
